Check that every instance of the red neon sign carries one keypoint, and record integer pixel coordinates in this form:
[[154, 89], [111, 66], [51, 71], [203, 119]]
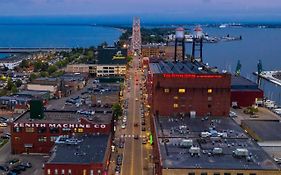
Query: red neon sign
[[191, 76]]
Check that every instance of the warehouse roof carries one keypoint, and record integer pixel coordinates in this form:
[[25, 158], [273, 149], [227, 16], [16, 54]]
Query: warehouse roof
[[179, 67], [264, 130], [89, 149], [225, 135], [239, 82]]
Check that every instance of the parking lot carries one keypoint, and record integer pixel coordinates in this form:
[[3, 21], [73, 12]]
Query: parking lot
[[262, 114]]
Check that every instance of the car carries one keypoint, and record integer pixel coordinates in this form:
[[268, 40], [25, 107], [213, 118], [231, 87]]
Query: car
[[117, 169], [3, 168], [136, 137], [144, 141], [137, 99], [136, 124], [13, 161], [119, 159], [3, 124], [123, 126], [26, 164], [12, 173], [143, 129], [124, 120]]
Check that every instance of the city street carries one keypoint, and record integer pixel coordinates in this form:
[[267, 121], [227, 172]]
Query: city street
[[135, 154]]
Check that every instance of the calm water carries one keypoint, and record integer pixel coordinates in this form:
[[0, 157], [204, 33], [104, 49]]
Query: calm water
[[55, 35], [263, 44]]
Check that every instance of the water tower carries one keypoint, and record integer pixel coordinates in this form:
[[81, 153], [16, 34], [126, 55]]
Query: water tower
[[180, 39], [197, 44]]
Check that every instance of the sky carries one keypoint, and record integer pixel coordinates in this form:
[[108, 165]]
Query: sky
[[149, 10]]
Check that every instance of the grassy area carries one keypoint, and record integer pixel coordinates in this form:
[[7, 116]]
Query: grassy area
[[3, 142]]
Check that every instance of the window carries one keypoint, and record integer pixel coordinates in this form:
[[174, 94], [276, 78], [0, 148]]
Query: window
[[227, 173], [84, 172], [56, 172], [209, 106], [69, 172], [92, 172], [54, 130], [204, 173], [166, 90], [210, 91], [42, 139], [181, 90], [216, 173], [176, 105], [29, 129], [176, 97], [80, 130], [191, 173], [41, 130], [48, 171], [62, 172], [17, 139], [253, 174], [17, 129], [210, 98], [53, 138], [240, 174]]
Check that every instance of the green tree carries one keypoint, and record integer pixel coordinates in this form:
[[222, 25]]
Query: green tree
[[32, 76], [18, 83], [10, 84], [44, 74], [14, 89], [52, 69], [24, 64], [117, 110], [37, 66]]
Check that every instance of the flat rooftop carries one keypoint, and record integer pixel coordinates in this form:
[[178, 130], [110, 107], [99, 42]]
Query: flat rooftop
[[100, 117], [179, 67], [239, 82], [91, 149], [264, 130], [171, 131], [31, 92]]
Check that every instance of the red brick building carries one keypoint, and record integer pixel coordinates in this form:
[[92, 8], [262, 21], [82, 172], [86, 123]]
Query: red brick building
[[39, 135], [244, 92], [187, 88], [86, 155]]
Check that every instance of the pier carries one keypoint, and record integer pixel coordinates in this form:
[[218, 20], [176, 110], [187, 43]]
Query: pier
[[272, 76], [33, 49]]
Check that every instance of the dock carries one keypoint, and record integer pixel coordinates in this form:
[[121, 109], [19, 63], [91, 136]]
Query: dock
[[32, 49], [272, 76]]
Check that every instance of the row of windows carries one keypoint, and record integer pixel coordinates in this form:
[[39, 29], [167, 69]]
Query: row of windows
[[51, 130], [41, 139], [183, 90], [222, 174], [176, 105], [69, 172], [184, 98]]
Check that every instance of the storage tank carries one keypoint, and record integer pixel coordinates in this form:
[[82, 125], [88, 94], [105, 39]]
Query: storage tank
[[180, 33]]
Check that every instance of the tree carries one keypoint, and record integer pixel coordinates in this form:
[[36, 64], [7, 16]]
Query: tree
[[117, 110], [10, 84], [14, 89], [32, 76], [18, 83], [52, 69], [44, 74], [24, 64]]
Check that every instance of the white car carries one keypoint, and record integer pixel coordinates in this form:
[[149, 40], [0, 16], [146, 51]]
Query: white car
[[123, 126], [3, 124]]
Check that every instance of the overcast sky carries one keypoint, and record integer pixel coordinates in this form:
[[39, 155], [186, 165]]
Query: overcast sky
[[264, 10]]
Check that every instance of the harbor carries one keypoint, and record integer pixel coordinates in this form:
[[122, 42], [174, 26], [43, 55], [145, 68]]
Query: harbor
[[272, 76]]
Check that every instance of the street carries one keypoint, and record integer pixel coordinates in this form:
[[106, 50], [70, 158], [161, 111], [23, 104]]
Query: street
[[136, 155]]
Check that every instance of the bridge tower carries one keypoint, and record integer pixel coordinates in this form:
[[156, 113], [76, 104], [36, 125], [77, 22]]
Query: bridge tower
[[136, 37]]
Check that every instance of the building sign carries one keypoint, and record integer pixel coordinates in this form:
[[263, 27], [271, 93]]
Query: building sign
[[119, 55], [192, 76], [57, 125]]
